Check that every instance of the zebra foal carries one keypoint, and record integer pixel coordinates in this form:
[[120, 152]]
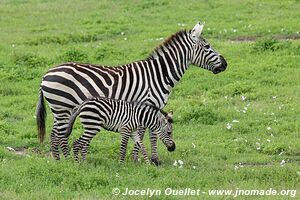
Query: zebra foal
[[124, 117]]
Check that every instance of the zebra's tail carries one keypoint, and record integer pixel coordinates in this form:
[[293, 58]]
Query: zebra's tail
[[41, 115], [72, 119]]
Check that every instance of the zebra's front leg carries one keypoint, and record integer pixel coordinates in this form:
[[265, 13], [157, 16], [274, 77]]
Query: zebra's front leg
[[154, 154], [140, 132], [124, 141], [143, 150]]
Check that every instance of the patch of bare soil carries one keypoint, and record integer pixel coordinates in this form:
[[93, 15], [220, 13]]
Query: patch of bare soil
[[24, 151]]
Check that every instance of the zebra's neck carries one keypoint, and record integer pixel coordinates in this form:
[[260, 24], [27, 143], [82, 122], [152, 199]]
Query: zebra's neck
[[173, 57]]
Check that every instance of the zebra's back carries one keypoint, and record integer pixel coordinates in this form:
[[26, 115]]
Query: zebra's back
[[68, 85]]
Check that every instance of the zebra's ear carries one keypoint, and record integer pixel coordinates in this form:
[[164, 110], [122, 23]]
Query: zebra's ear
[[197, 30], [169, 116]]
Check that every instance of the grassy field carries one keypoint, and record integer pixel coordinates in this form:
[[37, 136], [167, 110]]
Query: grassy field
[[239, 129]]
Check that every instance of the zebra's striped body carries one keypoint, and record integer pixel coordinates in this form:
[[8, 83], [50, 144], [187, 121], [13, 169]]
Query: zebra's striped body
[[149, 81], [120, 116]]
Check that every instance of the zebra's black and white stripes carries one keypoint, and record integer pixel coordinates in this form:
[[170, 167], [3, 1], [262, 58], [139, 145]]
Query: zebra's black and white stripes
[[149, 80], [124, 117]]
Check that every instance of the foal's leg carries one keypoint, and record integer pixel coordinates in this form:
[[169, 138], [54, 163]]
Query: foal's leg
[[140, 132], [139, 144], [124, 141], [154, 155], [88, 138]]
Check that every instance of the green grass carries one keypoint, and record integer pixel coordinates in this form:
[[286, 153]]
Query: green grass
[[36, 35]]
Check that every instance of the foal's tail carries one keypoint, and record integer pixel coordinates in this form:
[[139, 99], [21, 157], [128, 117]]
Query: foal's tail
[[41, 115], [75, 113]]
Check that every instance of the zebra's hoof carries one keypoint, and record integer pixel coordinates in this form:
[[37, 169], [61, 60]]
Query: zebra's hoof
[[155, 161]]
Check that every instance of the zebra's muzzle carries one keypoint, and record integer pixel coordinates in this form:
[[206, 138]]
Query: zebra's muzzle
[[172, 147], [222, 67], [218, 70]]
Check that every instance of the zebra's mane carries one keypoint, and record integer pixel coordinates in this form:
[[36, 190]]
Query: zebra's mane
[[166, 43]]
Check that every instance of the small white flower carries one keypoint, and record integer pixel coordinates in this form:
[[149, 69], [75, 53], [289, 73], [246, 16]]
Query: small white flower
[[234, 30], [175, 163], [125, 38], [272, 135], [298, 173], [274, 97], [181, 24], [282, 163], [13, 45], [180, 162], [258, 148], [194, 167], [193, 145], [236, 167], [244, 111], [225, 97], [269, 128], [122, 33], [268, 140], [10, 149], [243, 98], [228, 126]]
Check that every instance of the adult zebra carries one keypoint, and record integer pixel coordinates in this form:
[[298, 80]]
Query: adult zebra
[[149, 80]]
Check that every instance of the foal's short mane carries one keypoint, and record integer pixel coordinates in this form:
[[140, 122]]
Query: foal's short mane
[[166, 43]]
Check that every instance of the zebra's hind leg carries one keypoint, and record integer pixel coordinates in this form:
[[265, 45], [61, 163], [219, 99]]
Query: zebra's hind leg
[[62, 124], [154, 154], [140, 132], [54, 143], [84, 151], [63, 142], [76, 148]]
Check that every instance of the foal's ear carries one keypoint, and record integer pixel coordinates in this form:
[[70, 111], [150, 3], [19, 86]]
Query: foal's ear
[[169, 116], [197, 30]]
